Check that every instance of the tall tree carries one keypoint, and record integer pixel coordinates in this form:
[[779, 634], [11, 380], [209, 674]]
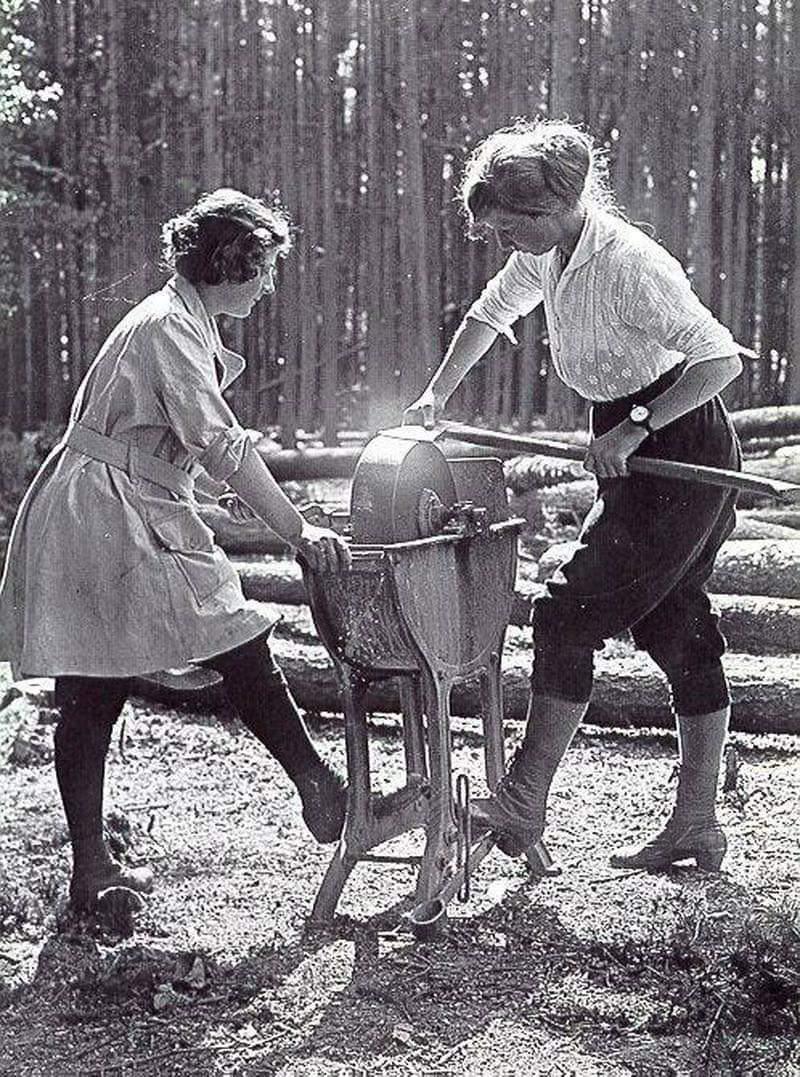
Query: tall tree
[[328, 244], [793, 335], [362, 112], [565, 99]]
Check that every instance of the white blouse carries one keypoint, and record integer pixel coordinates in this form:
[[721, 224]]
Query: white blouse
[[620, 314]]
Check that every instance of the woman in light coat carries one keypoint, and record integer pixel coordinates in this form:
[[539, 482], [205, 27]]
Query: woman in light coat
[[111, 573], [629, 335]]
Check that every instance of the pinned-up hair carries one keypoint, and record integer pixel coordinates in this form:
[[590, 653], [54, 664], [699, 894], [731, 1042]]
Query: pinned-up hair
[[534, 167], [224, 238]]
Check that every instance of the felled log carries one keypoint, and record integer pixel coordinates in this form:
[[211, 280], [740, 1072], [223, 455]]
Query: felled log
[[763, 446], [759, 624], [298, 464], [767, 422], [784, 516], [748, 527], [753, 567], [753, 624], [572, 500], [783, 464], [281, 581], [272, 581], [339, 462], [743, 566], [629, 691], [524, 473]]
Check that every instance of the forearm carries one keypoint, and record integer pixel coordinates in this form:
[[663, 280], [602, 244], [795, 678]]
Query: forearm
[[608, 454], [697, 385], [470, 343], [255, 485]]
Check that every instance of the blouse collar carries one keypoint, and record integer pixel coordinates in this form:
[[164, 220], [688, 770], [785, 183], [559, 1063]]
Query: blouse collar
[[597, 232]]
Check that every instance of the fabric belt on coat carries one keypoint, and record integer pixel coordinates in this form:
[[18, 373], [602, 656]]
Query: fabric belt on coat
[[128, 458]]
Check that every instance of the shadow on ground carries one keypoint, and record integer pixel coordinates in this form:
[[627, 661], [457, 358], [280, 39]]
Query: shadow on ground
[[509, 991]]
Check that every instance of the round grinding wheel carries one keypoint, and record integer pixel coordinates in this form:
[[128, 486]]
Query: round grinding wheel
[[394, 476]]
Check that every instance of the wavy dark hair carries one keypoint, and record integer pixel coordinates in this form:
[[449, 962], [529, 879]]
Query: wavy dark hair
[[534, 166], [225, 237]]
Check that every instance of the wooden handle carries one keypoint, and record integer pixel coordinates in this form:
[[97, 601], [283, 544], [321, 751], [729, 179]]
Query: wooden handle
[[643, 465]]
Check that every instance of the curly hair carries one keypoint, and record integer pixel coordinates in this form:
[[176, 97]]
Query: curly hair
[[534, 166], [224, 238]]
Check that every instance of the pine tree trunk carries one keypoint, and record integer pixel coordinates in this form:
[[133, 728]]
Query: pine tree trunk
[[793, 334], [563, 405]]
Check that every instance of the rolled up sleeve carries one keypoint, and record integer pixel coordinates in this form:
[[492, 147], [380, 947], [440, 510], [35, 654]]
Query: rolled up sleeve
[[188, 390], [659, 300], [511, 293]]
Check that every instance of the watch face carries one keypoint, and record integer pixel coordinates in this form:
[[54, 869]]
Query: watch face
[[640, 413]]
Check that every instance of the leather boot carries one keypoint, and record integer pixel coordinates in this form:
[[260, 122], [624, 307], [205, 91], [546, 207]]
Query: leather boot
[[516, 810], [692, 831], [91, 877], [324, 796]]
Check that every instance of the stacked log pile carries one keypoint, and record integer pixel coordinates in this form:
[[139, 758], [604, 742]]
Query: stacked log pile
[[762, 626], [755, 588]]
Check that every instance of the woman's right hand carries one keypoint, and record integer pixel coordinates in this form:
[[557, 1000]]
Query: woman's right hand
[[323, 550], [424, 411]]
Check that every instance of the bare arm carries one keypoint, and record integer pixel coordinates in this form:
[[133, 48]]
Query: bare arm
[[470, 343], [254, 483], [607, 455], [697, 385]]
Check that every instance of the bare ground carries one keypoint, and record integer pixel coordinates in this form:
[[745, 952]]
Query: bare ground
[[596, 972]]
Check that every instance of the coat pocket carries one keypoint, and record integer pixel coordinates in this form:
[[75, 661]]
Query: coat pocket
[[184, 538]]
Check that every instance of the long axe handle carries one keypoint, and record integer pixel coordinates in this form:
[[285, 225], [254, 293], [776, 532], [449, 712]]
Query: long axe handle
[[788, 492]]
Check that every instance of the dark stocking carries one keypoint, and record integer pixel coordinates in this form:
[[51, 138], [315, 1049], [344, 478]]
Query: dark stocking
[[257, 689], [89, 707]]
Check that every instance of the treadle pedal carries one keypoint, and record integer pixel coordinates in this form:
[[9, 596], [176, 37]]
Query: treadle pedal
[[541, 862]]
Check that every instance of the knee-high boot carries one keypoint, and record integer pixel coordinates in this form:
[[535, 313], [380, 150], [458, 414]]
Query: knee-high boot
[[692, 830], [517, 808], [81, 741]]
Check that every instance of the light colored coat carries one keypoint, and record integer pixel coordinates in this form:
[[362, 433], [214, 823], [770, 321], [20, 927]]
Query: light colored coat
[[620, 314], [107, 573]]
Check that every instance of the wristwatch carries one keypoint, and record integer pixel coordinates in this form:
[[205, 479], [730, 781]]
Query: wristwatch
[[640, 415]]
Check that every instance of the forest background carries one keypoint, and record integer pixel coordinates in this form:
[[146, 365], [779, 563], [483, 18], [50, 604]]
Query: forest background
[[114, 114]]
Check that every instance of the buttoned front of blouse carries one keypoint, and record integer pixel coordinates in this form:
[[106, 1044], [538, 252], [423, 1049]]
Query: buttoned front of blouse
[[109, 574], [619, 315]]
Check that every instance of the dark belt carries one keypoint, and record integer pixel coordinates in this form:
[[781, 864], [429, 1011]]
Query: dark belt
[[128, 458], [609, 413]]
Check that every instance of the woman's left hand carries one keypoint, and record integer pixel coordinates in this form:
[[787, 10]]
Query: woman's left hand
[[607, 456]]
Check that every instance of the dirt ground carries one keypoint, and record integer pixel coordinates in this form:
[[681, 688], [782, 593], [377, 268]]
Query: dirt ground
[[595, 972]]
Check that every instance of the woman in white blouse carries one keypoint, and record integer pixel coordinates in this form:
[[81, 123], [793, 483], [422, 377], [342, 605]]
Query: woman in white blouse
[[628, 333], [111, 572]]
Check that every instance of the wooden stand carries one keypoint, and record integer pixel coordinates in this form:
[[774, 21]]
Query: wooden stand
[[431, 612]]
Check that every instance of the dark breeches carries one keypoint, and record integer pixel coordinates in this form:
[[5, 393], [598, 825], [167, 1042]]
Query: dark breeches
[[647, 549]]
